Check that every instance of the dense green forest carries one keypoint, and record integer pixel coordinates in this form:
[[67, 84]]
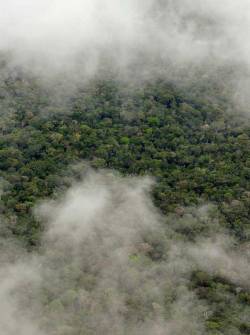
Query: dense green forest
[[196, 149]]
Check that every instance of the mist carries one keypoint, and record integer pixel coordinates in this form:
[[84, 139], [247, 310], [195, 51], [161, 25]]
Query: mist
[[153, 35], [109, 263]]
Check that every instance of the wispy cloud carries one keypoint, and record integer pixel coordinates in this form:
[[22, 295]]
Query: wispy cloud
[[108, 263]]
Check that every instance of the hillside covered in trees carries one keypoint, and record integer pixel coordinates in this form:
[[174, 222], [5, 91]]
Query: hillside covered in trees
[[124, 167], [191, 144], [197, 151]]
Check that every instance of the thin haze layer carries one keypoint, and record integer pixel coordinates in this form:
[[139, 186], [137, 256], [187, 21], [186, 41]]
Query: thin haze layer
[[58, 32], [108, 265]]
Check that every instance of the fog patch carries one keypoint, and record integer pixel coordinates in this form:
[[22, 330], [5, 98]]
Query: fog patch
[[109, 263], [136, 40]]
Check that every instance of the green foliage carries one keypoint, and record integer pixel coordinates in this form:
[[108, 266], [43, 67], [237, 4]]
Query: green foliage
[[195, 150]]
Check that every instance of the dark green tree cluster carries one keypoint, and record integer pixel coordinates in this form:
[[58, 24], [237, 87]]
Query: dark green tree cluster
[[195, 150]]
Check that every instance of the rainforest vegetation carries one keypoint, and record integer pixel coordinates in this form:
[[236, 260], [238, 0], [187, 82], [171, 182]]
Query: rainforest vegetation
[[187, 139]]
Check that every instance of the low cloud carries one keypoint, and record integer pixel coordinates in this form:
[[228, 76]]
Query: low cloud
[[70, 43], [61, 34], [109, 263]]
